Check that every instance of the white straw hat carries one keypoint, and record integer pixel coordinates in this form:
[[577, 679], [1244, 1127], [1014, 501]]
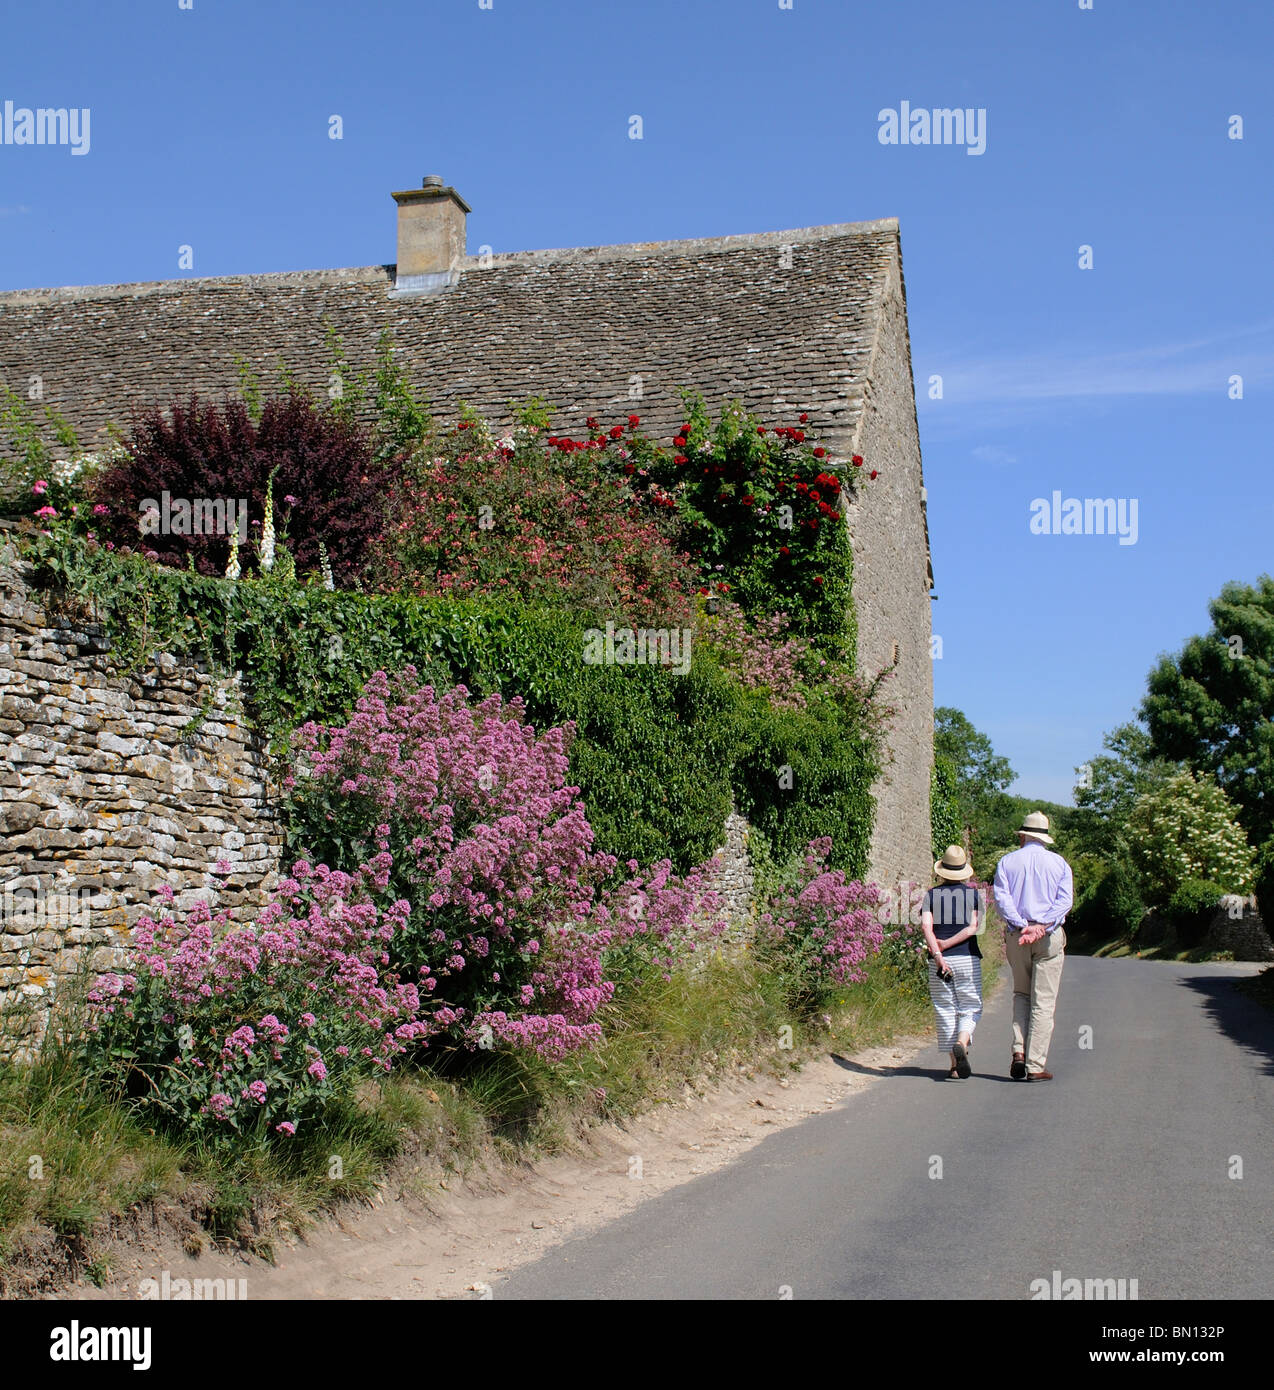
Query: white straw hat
[[954, 865], [1035, 827]]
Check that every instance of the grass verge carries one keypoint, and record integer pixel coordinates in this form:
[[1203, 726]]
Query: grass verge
[[77, 1167]]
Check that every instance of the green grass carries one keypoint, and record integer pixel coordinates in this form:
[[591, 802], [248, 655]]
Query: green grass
[[458, 1114]]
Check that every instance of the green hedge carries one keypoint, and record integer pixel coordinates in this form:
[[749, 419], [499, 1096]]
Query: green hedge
[[656, 756]]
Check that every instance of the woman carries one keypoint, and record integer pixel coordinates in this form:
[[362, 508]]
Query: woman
[[949, 918]]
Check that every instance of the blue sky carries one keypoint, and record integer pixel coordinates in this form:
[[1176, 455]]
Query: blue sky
[[1105, 127]]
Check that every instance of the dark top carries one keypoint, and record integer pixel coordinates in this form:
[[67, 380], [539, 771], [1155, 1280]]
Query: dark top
[[953, 906]]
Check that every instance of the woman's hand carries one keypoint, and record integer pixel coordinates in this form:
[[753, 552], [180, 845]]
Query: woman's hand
[[939, 962]]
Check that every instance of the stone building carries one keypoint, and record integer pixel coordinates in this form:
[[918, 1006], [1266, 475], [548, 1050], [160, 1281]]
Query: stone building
[[811, 320]]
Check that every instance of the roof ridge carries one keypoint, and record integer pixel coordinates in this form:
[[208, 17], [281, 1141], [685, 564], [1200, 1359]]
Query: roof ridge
[[634, 250]]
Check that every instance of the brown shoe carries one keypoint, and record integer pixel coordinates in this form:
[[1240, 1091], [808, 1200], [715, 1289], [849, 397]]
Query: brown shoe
[[1018, 1070], [1040, 1076]]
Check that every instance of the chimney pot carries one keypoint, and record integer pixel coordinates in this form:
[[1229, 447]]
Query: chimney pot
[[431, 236]]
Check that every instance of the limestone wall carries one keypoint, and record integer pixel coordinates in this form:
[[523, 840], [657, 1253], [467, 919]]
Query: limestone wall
[[891, 595], [104, 798]]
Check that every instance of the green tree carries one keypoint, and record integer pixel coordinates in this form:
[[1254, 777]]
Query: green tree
[[1109, 786], [1211, 706], [1186, 828], [979, 772]]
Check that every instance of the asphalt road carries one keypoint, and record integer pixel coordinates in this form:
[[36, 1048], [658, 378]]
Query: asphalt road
[[1118, 1168]]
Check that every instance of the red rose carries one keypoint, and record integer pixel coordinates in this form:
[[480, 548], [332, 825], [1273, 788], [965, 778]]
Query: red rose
[[634, 420], [873, 473], [818, 579], [804, 418], [680, 441], [703, 591], [798, 435], [681, 458], [760, 429], [552, 439], [858, 460], [617, 431], [783, 550], [747, 501], [819, 452]]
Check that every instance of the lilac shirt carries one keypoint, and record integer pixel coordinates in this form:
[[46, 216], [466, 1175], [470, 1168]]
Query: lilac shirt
[[1033, 885]]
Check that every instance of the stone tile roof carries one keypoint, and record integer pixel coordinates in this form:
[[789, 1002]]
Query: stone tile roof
[[784, 331]]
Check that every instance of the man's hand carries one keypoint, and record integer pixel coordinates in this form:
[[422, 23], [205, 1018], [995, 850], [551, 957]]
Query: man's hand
[[1031, 933]]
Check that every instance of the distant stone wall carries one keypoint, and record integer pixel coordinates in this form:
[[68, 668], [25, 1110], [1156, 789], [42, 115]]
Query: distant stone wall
[[103, 800], [1237, 926]]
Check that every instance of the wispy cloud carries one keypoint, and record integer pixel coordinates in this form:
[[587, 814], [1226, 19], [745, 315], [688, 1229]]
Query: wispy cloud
[[17, 211], [1198, 367], [991, 453]]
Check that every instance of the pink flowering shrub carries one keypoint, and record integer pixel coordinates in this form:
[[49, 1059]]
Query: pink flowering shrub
[[819, 932], [234, 1029], [513, 916]]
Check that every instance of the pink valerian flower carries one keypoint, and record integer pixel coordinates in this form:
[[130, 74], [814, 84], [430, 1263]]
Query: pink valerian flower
[[317, 1070], [40, 487], [286, 1127], [219, 1106], [255, 1090], [241, 1040], [47, 511], [829, 925]]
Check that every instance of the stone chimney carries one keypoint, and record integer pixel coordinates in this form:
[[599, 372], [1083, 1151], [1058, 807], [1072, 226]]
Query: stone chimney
[[431, 237]]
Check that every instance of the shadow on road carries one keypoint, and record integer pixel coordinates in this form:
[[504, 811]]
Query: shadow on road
[[936, 1073], [1248, 1022]]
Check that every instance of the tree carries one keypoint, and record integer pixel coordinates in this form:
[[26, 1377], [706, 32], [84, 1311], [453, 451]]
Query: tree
[[979, 772], [1211, 706], [1110, 785], [1186, 828]]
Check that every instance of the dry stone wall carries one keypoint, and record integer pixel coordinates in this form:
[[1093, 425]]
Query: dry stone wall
[[106, 795]]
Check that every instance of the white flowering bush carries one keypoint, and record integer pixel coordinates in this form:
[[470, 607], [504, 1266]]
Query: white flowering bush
[[1186, 829]]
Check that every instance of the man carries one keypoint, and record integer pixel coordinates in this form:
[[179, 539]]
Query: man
[[1034, 890]]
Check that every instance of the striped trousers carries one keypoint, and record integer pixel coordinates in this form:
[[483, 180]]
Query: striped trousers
[[957, 1003]]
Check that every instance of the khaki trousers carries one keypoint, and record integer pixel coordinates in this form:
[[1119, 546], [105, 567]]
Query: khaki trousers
[[1037, 974]]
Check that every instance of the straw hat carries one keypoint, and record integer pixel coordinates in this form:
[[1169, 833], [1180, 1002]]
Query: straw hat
[[953, 865], [1035, 827]]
